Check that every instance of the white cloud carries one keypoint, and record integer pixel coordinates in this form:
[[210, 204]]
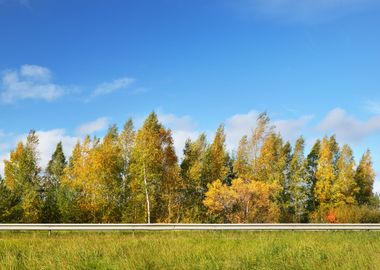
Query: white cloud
[[242, 124], [35, 72], [180, 137], [91, 127], [293, 128], [308, 11], [238, 126], [109, 87], [176, 122], [183, 128], [48, 141], [348, 128], [376, 186], [2, 158], [373, 107], [30, 82]]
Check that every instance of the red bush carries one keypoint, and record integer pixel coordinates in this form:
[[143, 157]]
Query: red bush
[[331, 217]]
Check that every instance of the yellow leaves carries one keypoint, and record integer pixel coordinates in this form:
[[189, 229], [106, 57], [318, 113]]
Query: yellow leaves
[[95, 171], [365, 178], [11, 167], [243, 202], [219, 197], [345, 188], [154, 173], [218, 156], [242, 164], [325, 173]]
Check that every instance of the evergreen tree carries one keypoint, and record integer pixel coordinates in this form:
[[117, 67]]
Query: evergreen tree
[[22, 179], [69, 195], [53, 175], [10, 210], [311, 165], [281, 173], [193, 169]]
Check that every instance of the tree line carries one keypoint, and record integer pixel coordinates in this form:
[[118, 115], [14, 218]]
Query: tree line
[[134, 176]]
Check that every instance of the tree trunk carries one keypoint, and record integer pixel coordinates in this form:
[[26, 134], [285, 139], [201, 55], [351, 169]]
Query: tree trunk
[[147, 195], [169, 210]]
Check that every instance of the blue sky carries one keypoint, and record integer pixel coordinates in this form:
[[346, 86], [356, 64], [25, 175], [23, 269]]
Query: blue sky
[[69, 68]]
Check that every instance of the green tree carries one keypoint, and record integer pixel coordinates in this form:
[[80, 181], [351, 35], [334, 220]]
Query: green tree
[[298, 182], [218, 157], [153, 167], [126, 138], [51, 186], [281, 176], [311, 165], [195, 184], [345, 187], [69, 194], [23, 180], [242, 164], [10, 210], [365, 178]]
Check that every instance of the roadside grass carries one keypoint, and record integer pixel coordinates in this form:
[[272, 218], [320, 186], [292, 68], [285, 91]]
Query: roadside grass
[[190, 250]]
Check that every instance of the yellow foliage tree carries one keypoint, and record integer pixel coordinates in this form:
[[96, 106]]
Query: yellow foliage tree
[[326, 173], [243, 202], [345, 188], [94, 174], [154, 174]]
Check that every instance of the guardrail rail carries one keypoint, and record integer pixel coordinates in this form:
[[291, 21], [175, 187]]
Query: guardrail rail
[[189, 227]]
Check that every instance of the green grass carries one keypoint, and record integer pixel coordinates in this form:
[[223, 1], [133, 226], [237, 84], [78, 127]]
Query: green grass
[[190, 250]]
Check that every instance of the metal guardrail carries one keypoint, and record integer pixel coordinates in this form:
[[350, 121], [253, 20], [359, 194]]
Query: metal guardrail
[[189, 227]]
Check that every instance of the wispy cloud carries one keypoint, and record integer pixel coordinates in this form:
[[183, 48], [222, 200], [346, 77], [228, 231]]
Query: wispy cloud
[[307, 11], [348, 128], [29, 82], [94, 126], [373, 106], [242, 124], [25, 3], [110, 87], [291, 129]]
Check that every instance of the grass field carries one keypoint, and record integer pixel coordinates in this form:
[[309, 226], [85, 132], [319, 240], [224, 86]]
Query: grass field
[[190, 250]]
